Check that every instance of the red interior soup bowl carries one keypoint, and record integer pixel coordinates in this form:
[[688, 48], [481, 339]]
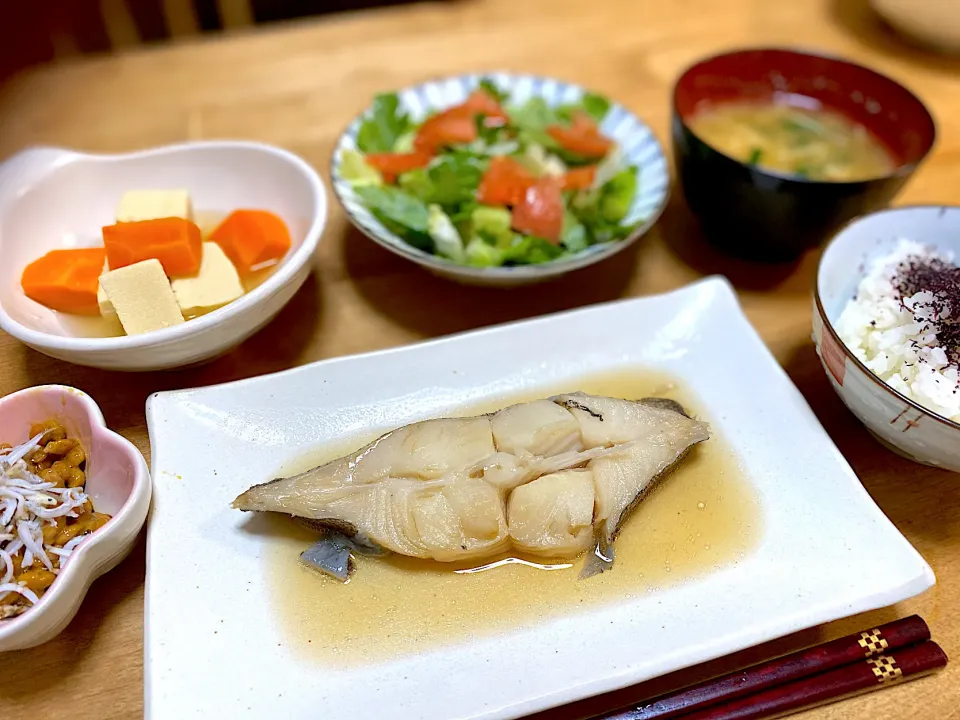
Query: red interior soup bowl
[[775, 215]]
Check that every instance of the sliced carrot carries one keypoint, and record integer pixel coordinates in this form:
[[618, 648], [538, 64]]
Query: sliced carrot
[[65, 280], [392, 164], [504, 182], [540, 212], [582, 137], [252, 239], [453, 126], [175, 242], [483, 103], [579, 178]]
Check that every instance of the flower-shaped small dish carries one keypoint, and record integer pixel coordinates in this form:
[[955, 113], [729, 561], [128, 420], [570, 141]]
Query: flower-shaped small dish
[[52, 198], [117, 484], [633, 144], [897, 421]]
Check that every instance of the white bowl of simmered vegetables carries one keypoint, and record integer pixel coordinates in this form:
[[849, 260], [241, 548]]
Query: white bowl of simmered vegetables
[[155, 259], [73, 497], [500, 179]]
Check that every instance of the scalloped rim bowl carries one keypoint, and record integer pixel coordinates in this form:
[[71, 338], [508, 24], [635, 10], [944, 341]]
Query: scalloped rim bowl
[[637, 141], [118, 483], [899, 423], [84, 190]]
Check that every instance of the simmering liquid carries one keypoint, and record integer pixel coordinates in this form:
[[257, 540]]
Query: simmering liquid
[[702, 517]]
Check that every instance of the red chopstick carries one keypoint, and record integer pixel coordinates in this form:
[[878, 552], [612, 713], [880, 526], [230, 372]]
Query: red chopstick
[[774, 673], [909, 663]]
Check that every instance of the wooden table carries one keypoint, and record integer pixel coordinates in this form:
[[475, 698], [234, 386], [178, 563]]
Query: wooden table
[[297, 86]]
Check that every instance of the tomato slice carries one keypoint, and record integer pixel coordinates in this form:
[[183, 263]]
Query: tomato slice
[[505, 182], [540, 212], [452, 126], [458, 124], [392, 164], [579, 178], [582, 137], [483, 103]]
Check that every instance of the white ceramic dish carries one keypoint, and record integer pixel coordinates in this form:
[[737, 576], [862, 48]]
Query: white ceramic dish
[[898, 422], [826, 550], [54, 198], [635, 138], [118, 484]]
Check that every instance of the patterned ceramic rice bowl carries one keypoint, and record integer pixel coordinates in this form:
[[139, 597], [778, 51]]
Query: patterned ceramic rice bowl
[[899, 422]]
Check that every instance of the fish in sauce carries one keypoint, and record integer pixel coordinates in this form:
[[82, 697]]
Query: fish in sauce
[[817, 144], [553, 478]]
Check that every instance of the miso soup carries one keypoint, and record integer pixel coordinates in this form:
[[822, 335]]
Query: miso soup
[[815, 144]]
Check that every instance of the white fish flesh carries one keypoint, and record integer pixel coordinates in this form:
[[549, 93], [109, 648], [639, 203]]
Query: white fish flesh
[[553, 477]]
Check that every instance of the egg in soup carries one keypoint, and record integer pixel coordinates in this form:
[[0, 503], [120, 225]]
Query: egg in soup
[[813, 144]]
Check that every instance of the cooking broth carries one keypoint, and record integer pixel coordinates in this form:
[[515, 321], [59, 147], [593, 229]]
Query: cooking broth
[[703, 517]]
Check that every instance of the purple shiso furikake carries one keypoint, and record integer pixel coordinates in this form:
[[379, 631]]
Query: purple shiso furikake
[[941, 280]]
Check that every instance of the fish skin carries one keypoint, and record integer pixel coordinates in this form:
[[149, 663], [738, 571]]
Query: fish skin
[[601, 558], [450, 495], [330, 555], [333, 553], [358, 541]]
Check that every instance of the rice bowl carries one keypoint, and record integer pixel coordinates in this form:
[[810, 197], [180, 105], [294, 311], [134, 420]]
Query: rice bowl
[[896, 322], [902, 421]]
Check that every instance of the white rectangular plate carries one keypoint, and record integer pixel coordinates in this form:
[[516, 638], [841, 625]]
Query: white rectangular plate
[[214, 649]]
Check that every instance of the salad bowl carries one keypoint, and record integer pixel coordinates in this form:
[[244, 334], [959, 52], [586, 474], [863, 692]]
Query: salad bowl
[[426, 211]]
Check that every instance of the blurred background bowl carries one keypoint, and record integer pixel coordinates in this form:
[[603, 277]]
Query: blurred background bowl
[[56, 198], [895, 420], [760, 214], [933, 23]]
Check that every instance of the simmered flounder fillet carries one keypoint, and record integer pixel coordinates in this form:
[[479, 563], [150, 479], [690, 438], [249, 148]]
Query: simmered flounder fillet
[[553, 515], [553, 477]]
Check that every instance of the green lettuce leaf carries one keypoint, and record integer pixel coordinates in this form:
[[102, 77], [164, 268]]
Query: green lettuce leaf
[[445, 237], [449, 181], [404, 142], [400, 212], [384, 126], [491, 87], [481, 254], [602, 210], [616, 195], [417, 183], [574, 235], [455, 179], [354, 169], [596, 106], [530, 250], [531, 121], [492, 224]]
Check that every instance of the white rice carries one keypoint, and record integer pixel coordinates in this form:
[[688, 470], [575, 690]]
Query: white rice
[[895, 340]]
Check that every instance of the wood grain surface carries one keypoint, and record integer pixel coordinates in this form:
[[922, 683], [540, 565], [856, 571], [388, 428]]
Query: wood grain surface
[[297, 86]]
